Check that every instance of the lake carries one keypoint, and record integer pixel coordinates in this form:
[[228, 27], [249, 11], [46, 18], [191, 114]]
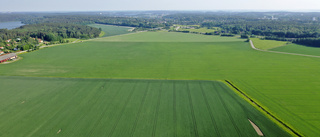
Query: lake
[[10, 25]]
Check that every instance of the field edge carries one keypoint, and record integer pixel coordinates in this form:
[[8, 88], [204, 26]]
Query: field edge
[[263, 109]]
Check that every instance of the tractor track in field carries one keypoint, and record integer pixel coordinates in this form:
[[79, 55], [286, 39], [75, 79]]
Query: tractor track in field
[[123, 109], [157, 111], [139, 111], [53, 115], [253, 47], [192, 112], [227, 110], [210, 111], [174, 110], [104, 111], [83, 115]]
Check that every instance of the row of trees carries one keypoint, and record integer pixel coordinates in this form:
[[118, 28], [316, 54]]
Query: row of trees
[[312, 42], [91, 19], [301, 28]]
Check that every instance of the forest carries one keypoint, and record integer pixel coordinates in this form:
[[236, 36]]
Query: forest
[[51, 31], [28, 36], [300, 28], [297, 27]]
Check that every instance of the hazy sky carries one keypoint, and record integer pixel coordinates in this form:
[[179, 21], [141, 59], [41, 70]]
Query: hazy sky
[[107, 5]]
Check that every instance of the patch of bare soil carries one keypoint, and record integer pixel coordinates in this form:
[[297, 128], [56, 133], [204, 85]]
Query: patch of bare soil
[[256, 128]]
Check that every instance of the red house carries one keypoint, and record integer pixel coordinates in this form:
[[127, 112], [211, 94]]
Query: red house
[[6, 57]]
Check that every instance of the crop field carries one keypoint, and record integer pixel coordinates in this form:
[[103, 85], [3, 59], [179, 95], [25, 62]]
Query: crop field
[[200, 30], [106, 107], [110, 30], [168, 37], [267, 44], [300, 49], [286, 85]]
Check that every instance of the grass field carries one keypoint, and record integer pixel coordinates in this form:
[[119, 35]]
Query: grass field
[[71, 39], [286, 85], [200, 30], [110, 30], [300, 49], [168, 37], [267, 44], [102, 107]]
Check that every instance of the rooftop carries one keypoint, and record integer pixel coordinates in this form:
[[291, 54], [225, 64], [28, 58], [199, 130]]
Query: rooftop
[[7, 56]]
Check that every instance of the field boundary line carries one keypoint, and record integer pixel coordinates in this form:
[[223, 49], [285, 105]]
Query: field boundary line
[[155, 121], [278, 46], [139, 111], [192, 112], [115, 35], [228, 82], [253, 47], [227, 110], [210, 111]]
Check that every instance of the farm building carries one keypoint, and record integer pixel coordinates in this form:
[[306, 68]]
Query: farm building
[[6, 57], [40, 40], [1, 52]]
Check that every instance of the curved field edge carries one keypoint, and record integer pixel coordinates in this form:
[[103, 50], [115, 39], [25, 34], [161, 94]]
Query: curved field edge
[[111, 30], [263, 109], [299, 49], [189, 98], [267, 44]]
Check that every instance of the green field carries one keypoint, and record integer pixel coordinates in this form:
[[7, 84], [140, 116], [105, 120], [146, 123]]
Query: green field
[[267, 44], [110, 30], [286, 85], [300, 49], [200, 30], [105, 107], [168, 37]]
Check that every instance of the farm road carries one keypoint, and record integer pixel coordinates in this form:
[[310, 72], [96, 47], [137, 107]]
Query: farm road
[[252, 46]]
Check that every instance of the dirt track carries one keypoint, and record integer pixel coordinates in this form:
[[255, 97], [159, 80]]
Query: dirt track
[[252, 46]]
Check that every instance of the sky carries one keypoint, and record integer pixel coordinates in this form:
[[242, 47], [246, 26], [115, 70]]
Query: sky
[[120, 5]]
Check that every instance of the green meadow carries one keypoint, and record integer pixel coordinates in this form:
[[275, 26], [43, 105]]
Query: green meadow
[[110, 30], [267, 44], [200, 30], [167, 37], [300, 49], [106, 107], [286, 85]]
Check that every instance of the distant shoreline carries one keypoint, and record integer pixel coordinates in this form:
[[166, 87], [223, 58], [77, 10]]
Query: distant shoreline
[[11, 25]]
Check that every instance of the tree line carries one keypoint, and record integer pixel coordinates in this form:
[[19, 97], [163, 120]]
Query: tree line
[[91, 19], [291, 26], [50, 31], [300, 28]]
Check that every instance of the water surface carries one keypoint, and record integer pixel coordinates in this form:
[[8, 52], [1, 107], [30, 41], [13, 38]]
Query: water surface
[[10, 25]]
